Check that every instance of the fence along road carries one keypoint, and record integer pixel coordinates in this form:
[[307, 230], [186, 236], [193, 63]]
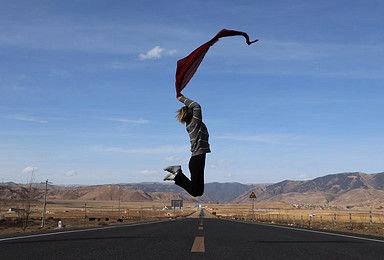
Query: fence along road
[[191, 239]]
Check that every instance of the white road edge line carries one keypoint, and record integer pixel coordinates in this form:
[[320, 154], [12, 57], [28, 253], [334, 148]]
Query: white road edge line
[[76, 231], [312, 231]]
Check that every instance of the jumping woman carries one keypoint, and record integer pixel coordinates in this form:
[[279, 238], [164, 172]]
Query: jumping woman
[[191, 115]]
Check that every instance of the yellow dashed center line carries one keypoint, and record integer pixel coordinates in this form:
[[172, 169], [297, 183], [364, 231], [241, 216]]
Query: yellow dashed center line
[[201, 228], [198, 245]]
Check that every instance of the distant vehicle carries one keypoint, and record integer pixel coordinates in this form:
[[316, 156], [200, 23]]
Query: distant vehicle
[[312, 214]]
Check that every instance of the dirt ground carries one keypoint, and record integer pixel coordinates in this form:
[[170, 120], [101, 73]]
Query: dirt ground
[[79, 214], [352, 221]]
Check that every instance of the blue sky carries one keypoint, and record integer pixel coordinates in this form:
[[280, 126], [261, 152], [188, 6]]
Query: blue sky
[[87, 89]]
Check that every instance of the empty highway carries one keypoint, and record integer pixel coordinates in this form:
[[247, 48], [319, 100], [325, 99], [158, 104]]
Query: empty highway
[[198, 238]]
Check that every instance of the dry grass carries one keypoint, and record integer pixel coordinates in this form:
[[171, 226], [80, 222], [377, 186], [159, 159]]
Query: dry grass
[[75, 214], [273, 213]]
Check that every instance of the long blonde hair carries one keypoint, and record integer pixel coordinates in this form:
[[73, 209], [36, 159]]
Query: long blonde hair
[[184, 115]]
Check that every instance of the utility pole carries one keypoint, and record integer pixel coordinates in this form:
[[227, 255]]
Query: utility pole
[[45, 203], [119, 207], [85, 213], [2, 203]]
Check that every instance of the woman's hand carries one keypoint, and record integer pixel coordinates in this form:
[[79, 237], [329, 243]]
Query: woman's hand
[[179, 97]]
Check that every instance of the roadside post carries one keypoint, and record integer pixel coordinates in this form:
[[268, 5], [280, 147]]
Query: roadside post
[[85, 213], [370, 219], [253, 197], [45, 203], [334, 219]]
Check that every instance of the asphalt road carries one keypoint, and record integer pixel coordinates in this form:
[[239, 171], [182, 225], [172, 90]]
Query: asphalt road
[[191, 239]]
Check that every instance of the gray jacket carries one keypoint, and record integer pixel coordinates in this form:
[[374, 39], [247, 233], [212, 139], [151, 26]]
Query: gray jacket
[[198, 132]]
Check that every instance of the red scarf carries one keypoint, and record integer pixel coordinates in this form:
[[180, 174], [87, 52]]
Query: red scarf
[[187, 67]]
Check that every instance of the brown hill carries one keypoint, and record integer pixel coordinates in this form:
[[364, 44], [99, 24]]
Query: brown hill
[[351, 189], [113, 193], [103, 193], [354, 188], [360, 197]]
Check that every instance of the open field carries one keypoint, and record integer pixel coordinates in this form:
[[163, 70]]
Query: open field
[[362, 221], [74, 214]]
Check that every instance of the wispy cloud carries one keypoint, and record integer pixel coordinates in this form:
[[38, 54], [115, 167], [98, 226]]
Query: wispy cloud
[[25, 118], [306, 59], [178, 160], [221, 164], [71, 173], [171, 159], [156, 53], [47, 155], [58, 33], [148, 173], [123, 120], [268, 139], [30, 169], [303, 177], [278, 50], [152, 150]]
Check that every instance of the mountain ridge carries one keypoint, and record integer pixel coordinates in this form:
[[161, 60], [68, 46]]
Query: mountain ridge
[[352, 188]]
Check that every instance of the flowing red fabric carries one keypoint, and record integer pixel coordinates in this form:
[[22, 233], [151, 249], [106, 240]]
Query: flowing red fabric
[[187, 67]]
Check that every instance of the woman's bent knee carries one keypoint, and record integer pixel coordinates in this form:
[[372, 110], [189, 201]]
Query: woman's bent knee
[[197, 193]]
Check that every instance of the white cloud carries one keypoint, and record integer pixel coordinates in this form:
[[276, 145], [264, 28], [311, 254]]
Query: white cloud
[[171, 52], [123, 120], [303, 177], [71, 173], [156, 53], [221, 164], [171, 159], [30, 169], [269, 139], [24, 118], [148, 173], [176, 160], [152, 150], [81, 34]]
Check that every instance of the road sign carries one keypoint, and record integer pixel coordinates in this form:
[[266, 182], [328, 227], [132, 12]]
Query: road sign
[[177, 204], [253, 197]]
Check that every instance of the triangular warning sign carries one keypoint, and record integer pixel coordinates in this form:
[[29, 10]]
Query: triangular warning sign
[[253, 195]]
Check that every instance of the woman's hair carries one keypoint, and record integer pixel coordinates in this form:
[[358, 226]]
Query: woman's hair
[[184, 115]]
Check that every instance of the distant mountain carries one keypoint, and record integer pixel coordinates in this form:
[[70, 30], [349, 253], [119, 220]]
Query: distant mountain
[[113, 193], [224, 192], [213, 192], [342, 188], [350, 188]]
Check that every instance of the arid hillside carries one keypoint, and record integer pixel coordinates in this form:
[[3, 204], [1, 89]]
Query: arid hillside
[[353, 188], [345, 189]]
